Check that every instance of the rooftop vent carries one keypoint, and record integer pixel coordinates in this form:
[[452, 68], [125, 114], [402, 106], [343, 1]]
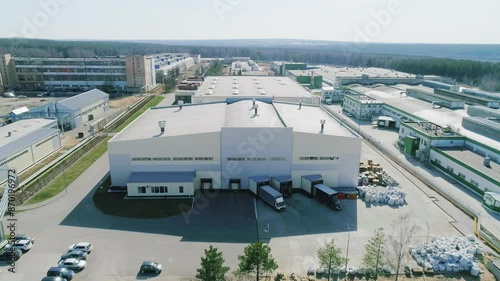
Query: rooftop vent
[[211, 87], [208, 93], [253, 102], [487, 162], [256, 107], [262, 92], [9, 134], [322, 122], [235, 92], [162, 125], [181, 103]]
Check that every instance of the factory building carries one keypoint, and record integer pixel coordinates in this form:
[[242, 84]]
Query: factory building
[[215, 89], [436, 100], [471, 163], [77, 110], [113, 73], [175, 150], [7, 73], [331, 95], [469, 99], [342, 76], [26, 142]]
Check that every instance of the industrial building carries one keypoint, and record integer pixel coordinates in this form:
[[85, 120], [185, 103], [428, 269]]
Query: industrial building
[[342, 76], [175, 150], [26, 142], [361, 106], [245, 67], [280, 67], [471, 163], [306, 78], [220, 88], [436, 100], [469, 99], [330, 94], [77, 110], [114, 73]]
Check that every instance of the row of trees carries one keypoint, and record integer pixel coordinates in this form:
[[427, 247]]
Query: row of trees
[[258, 261], [170, 79]]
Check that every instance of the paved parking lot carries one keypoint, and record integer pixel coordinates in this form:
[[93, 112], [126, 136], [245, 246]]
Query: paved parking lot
[[226, 220]]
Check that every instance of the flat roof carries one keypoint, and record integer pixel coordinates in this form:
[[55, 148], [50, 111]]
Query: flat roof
[[158, 177], [84, 99], [303, 72], [431, 129], [332, 72], [441, 116], [283, 178], [313, 177], [192, 119], [241, 114], [259, 179], [474, 160], [250, 86], [464, 95], [441, 97], [363, 98], [22, 128], [307, 120]]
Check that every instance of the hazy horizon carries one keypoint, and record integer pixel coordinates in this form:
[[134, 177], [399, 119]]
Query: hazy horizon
[[380, 21]]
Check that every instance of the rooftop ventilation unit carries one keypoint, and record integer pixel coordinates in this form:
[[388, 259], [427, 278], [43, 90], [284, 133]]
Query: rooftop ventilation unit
[[235, 82], [162, 125], [181, 103], [322, 122], [256, 107], [235, 92], [9, 134], [235, 79], [235, 86], [213, 82], [208, 93], [262, 92], [211, 87]]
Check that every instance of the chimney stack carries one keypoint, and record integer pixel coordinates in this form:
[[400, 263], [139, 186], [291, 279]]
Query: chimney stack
[[162, 125], [322, 122]]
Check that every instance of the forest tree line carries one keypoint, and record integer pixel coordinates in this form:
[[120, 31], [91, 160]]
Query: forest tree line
[[477, 73]]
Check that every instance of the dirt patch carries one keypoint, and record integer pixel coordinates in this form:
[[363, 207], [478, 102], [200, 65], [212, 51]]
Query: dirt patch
[[124, 102], [69, 141]]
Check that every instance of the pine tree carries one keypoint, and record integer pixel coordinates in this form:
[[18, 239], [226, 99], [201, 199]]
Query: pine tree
[[212, 266]]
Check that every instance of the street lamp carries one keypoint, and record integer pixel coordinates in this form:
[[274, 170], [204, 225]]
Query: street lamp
[[347, 251]]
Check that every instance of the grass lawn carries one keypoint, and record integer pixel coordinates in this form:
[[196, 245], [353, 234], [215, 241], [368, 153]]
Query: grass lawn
[[152, 103], [113, 203], [70, 174]]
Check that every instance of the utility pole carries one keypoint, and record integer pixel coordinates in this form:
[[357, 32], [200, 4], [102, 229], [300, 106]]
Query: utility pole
[[347, 251]]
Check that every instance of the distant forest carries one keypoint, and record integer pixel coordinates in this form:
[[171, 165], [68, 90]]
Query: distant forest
[[482, 74]]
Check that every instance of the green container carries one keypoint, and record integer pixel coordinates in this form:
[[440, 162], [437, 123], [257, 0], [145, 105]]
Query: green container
[[411, 145]]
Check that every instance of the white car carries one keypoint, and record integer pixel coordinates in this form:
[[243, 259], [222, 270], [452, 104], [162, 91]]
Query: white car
[[82, 246], [23, 245], [73, 264]]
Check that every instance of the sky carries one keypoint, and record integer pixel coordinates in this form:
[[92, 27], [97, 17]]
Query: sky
[[393, 21]]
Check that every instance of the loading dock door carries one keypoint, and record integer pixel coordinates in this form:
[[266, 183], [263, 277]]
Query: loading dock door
[[206, 184], [234, 184], [286, 188]]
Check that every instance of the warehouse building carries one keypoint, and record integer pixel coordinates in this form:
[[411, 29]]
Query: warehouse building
[[280, 67], [173, 151], [436, 100], [342, 76], [331, 95], [26, 142], [220, 88], [471, 163], [77, 110], [469, 99]]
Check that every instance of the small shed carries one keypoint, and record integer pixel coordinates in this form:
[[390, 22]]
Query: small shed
[[492, 201], [386, 121]]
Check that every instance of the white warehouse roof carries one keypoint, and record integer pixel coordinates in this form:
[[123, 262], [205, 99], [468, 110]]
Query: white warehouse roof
[[22, 128], [84, 99], [211, 117]]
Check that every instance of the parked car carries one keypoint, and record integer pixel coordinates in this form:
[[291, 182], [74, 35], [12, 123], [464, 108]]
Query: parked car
[[42, 94], [62, 272], [52, 278], [151, 267], [82, 246], [21, 97], [23, 245], [24, 237], [8, 253], [81, 255], [73, 264]]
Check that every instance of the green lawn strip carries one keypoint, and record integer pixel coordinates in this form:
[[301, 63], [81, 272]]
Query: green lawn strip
[[70, 174], [152, 103], [114, 203]]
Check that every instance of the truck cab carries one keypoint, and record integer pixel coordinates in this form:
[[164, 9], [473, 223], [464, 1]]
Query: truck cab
[[279, 204]]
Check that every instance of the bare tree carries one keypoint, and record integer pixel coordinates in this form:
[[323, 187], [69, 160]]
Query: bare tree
[[403, 230]]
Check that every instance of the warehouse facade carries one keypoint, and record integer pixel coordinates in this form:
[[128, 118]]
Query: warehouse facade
[[26, 142], [221, 145]]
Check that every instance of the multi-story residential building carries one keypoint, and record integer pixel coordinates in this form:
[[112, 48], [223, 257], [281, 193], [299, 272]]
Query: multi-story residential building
[[140, 73]]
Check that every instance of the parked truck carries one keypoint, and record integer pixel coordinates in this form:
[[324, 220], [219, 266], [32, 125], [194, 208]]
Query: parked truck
[[256, 183], [282, 184], [309, 182], [272, 197], [328, 196]]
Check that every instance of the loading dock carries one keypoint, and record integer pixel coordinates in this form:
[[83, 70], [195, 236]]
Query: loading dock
[[282, 184]]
